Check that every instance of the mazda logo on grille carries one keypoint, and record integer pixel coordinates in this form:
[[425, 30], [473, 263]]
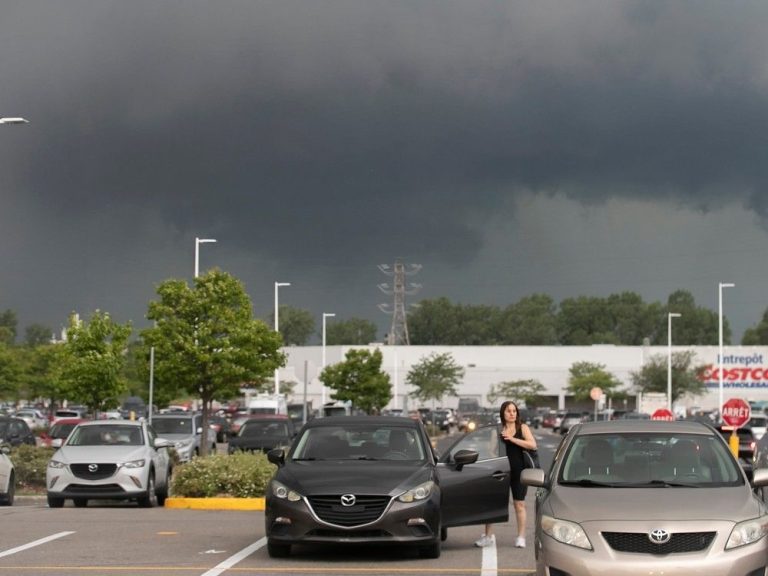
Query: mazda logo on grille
[[659, 536], [348, 500], [93, 467]]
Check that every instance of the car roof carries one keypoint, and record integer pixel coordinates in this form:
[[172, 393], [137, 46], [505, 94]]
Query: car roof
[[356, 420], [623, 426], [136, 423], [70, 420]]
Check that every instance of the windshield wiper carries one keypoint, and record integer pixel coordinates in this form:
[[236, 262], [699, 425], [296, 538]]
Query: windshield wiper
[[667, 483], [588, 482], [303, 459]]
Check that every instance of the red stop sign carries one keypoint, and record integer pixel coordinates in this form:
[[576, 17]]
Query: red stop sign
[[663, 414], [736, 412]]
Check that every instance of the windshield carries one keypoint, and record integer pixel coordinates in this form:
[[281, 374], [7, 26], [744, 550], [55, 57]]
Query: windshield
[[181, 425], [359, 442], [61, 430], [106, 436], [256, 428], [642, 460]]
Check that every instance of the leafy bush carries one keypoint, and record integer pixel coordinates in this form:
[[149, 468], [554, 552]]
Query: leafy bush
[[30, 463], [239, 475]]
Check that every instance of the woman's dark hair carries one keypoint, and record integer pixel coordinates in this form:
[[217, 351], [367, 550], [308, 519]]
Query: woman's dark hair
[[503, 409]]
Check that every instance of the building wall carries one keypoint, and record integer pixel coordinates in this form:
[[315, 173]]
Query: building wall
[[745, 369]]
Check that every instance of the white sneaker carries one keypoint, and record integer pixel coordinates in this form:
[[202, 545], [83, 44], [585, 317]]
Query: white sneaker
[[520, 542], [484, 541]]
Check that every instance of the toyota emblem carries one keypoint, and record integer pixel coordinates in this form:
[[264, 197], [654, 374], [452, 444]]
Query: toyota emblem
[[659, 536], [93, 468], [348, 500]]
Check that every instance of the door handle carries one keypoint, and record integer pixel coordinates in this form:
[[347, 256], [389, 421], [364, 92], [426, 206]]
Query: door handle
[[499, 475]]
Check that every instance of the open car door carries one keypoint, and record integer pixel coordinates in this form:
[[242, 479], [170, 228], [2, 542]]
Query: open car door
[[476, 493]]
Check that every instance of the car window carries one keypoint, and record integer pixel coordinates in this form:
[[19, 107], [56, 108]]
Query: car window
[[106, 436], [256, 428], [359, 442], [61, 430], [181, 425], [485, 441], [636, 460]]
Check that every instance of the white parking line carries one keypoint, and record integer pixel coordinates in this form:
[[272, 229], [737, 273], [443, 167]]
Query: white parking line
[[489, 564], [35, 543], [232, 560]]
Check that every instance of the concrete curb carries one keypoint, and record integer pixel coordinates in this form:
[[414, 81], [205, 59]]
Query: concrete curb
[[216, 503]]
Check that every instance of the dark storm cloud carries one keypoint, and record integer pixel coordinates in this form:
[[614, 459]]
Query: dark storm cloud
[[360, 128]]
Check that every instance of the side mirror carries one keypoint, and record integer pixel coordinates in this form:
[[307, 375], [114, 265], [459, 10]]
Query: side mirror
[[464, 457], [5, 449], [277, 457], [163, 443], [532, 477]]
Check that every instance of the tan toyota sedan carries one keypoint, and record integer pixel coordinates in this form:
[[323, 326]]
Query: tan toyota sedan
[[642, 497]]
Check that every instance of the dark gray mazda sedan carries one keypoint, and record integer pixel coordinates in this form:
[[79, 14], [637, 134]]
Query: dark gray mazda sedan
[[370, 480]]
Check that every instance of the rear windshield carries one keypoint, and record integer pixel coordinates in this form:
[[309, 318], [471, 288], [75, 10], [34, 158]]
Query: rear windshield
[[181, 425], [642, 460]]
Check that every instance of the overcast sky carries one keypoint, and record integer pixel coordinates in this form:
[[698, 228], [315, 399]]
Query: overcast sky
[[568, 148]]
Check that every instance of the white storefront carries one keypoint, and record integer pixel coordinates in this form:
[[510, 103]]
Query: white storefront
[[745, 369]]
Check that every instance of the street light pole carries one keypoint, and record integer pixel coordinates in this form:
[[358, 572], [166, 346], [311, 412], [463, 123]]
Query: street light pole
[[277, 329], [669, 358], [325, 316], [14, 121], [199, 241], [720, 341]]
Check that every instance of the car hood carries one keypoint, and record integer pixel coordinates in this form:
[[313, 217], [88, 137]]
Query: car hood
[[355, 476], [177, 437], [580, 504], [100, 453]]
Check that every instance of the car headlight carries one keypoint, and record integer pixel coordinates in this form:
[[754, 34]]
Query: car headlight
[[747, 532], [282, 491], [135, 464], [183, 444], [566, 532], [471, 426], [56, 464], [421, 492]]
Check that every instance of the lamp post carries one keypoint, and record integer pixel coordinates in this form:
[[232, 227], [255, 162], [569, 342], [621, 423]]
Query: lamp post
[[277, 329], [14, 121], [325, 316], [720, 341], [669, 358], [199, 241]]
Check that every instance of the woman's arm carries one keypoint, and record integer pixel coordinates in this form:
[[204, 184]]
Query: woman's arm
[[528, 442]]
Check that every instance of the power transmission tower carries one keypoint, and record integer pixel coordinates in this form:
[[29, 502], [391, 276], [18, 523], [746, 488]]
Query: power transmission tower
[[398, 334]]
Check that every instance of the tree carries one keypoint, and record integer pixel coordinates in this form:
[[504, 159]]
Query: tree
[[9, 372], [41, 368], [697, 326], [295, 325], [584, 321], [92, 361], [524, 392], [435, 376], [532, 321], [652, 377], [37, 335], [756, 335], [8, 324], [351, 332], [359, 380], [587, 375], [207, 341]]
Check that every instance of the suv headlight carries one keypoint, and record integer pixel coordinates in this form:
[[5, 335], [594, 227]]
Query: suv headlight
[[566, 532], [135, 464], [747, 532], [56, 464], [421, 492], [181, 444], [285, 493]]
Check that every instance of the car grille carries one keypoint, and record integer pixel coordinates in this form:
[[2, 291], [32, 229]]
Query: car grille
[[103, 471], [366, 509], [107, 489], [640, 544], [326, 533]]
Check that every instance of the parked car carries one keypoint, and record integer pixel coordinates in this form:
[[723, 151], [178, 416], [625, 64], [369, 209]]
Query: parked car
[[631, 497], [34, 418], [747, 445], [570, 419], [758, 423], [15, 431], [110, 459], [7, 477], [262, 434], [186, 432], [220, 425], [58, 432], [359, 480]]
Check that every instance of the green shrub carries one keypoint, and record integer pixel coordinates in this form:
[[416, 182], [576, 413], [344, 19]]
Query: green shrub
[[239, 475], [30, 463]]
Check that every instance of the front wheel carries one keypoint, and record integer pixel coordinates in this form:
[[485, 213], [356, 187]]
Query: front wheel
[[54, 502], [80, 502], [278, 550], [7, 498], [149, 499], [431, 551]]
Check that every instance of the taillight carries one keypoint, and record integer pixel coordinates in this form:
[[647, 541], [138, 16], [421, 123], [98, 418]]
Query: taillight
[[752, 445]]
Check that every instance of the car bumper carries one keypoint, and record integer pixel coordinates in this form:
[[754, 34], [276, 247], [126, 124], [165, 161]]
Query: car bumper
[[556, 559], [124, 484], [296, 523]]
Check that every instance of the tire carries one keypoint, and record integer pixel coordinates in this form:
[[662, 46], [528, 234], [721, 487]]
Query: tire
[[278, 550], [443, 534], [430, 551], [7, 498], [80, 502], [162, 495], [150, 498], [54, 502]]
